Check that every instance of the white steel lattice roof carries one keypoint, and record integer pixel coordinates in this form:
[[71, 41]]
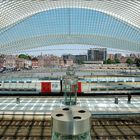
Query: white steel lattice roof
[[120, 17]]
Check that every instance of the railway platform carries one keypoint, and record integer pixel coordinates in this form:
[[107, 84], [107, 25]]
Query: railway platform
[[28, 107]]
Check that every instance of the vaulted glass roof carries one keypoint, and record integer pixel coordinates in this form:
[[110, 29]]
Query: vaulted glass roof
[[31, 24]]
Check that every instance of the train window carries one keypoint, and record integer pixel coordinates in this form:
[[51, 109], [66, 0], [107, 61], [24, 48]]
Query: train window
[[110, 89], [93, 89], [32, 89], [28, 82], [102, 89], [13, 82], [6, 81], [21, 89], [12, 89], [6, 89], [102, 81], [21, 81], [93, 81], [54, 85], [119, 89], [120, 84], [45, 78], [81, 79], [49, 78], [0, 84]]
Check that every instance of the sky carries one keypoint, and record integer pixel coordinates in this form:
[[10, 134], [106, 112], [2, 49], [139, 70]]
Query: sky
[[64, 49]]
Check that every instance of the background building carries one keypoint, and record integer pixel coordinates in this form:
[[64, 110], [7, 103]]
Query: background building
[[80, 58], [118, 56], [10, 61], [22, 63], [68, 62], [2, 60], [34, 62], [68, 56], [110, 56], [97, 54]]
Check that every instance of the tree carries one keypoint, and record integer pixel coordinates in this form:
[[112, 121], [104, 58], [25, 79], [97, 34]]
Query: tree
[[105, 62], [137, 62], [129, 61], [109, 61], [117, 61], [24, 56], [80, 62]]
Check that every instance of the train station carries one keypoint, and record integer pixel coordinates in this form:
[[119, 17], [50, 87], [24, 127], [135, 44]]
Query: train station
[[70, 70]]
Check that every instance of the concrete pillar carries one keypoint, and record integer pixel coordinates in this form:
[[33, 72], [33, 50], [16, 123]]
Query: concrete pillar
[[71, 123]]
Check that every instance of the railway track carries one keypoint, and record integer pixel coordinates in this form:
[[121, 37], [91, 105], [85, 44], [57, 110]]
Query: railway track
[[100, 129]]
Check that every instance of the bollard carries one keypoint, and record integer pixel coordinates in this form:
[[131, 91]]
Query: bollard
[[18, 100], [116, 100], [71, 123], [129, 99]]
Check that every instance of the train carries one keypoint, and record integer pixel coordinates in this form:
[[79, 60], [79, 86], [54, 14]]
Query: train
[[85, 86]]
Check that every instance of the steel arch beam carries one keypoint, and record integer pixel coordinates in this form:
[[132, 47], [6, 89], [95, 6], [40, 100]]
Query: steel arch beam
[[14, 11], [50, 40]]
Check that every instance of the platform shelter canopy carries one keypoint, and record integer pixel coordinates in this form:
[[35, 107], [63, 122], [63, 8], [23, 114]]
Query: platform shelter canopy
[[26, 24]]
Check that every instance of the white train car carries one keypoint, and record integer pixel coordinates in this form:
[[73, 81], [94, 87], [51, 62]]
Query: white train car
[[111, 85], [34, 86], [86, 85]]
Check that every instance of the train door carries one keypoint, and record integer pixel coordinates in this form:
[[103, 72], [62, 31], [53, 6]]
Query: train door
[[45, 88], [79, 88]]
